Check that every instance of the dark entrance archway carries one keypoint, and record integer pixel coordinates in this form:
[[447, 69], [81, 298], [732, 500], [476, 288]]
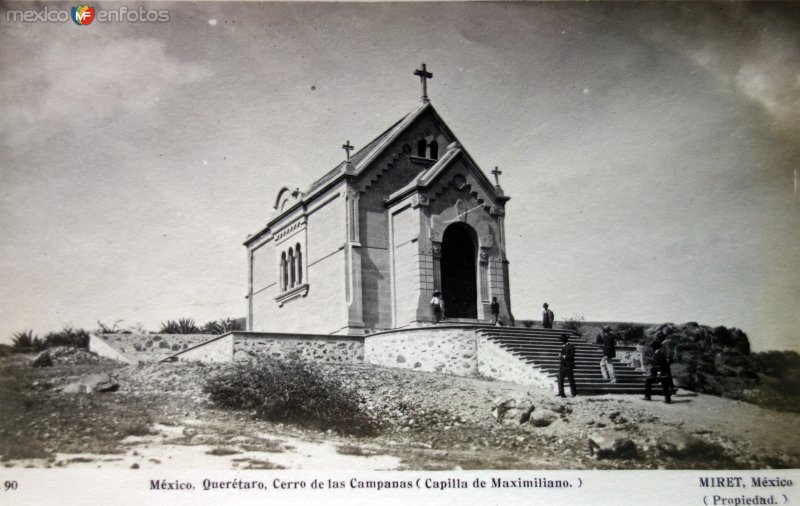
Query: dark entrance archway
[[458, 266]]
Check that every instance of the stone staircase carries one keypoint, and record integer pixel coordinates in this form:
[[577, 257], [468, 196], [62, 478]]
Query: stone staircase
[[540, 348]]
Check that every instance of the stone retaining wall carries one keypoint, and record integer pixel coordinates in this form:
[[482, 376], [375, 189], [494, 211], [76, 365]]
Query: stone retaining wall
[[448, 350], [495, 362], [147, 347], [313, 347]]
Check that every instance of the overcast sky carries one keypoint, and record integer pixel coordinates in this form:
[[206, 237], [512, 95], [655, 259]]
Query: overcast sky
[[649, 150]]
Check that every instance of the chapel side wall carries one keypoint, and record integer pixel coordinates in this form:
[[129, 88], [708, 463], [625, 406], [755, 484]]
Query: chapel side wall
[[408, 283], [316, 348], [391, 171], [264, 279], [322, 309]]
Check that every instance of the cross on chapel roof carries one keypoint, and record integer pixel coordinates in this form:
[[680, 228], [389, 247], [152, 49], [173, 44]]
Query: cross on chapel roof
[[348, 147], [424, 75], [497, 173]]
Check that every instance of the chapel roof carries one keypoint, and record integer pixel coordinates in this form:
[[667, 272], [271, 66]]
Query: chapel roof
[[361, 159], [363, 156]]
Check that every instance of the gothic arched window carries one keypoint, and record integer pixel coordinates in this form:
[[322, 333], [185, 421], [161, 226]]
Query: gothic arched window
[[433, 150], [422, 148], [299, 256]]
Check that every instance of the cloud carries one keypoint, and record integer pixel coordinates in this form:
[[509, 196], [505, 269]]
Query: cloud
[[76, 83], [751, 50]]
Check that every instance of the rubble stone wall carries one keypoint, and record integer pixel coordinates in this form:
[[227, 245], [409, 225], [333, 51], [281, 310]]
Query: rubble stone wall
[[314, 347], [447, 350]]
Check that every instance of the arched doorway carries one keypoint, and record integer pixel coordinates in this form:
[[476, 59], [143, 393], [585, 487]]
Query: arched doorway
[[458, 264]]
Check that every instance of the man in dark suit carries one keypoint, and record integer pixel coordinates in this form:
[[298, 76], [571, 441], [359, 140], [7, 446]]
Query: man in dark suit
[[659, 371], [547, 317], [566, 366]]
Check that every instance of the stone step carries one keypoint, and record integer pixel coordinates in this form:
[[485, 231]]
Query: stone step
[[539, 348], [519, 331]]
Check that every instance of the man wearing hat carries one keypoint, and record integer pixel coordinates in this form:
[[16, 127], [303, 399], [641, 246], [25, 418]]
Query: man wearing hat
[[547, 317], [659, 371], [566, 366], [437, 307], [609, 342]]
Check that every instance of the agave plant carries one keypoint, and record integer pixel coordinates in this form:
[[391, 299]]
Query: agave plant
[[109, 329], [23, 341], [181, 326], [223, 326]]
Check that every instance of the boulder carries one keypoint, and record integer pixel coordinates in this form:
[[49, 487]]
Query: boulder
[[542, 419], [677, 444], [512, 410], [43, 359], [606, 445], [92, 383]]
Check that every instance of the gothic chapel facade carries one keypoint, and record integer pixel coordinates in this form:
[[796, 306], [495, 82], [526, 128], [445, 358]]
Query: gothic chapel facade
[[366, 245]]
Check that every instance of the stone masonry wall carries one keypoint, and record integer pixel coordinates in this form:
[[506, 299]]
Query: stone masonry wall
[[448, 350], [313, 347]]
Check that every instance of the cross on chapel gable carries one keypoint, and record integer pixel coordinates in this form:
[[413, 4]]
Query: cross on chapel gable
[[347, 148], [497, 173], [424, 75]]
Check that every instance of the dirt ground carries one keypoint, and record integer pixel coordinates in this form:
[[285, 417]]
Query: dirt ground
[[160, 417]]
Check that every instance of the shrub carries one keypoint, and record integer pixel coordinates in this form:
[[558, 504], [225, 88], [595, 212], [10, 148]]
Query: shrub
[[574, 324], [527, 323], [77, 338], [630, 333], [291, 391]]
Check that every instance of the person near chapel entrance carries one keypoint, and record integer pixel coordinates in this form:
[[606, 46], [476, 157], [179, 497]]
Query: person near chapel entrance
[[547, 317], [659, 371], [566, 366], [437, 307], [608, 340], [495, 307]]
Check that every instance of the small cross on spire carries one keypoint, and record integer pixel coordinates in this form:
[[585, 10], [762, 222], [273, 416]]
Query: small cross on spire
[[347, 147], [497, 173], [424, 75]]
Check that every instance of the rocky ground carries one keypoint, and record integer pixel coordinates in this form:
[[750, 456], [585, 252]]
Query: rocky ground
[[84, 411]]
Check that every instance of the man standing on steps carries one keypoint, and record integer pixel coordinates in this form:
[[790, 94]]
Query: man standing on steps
[[437, 307], [659, 371], [495, 307], [566, 366], [547, 317], [609, 341]]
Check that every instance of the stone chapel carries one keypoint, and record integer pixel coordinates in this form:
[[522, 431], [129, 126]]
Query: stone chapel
[[364, 247]]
